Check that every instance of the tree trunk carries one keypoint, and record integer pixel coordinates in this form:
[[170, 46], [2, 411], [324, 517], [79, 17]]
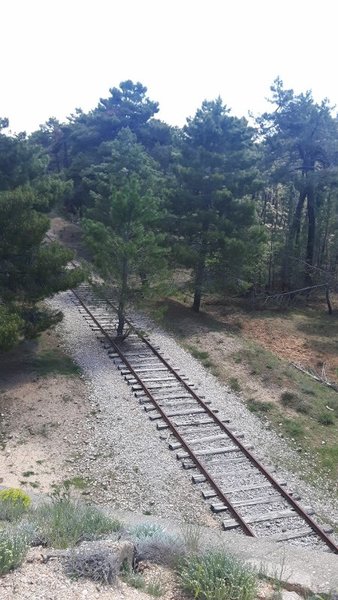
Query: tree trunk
[[122, 298], [199, 280], [311, 234], [298, 214]]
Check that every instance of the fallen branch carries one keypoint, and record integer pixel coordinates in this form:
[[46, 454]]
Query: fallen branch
[[316, 377]]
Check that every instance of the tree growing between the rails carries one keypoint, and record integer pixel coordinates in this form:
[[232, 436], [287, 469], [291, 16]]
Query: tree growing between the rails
[[123, 228], [215, 221]]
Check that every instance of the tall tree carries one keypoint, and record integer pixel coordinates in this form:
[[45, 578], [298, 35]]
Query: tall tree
[[30, 270], [123, 228], [301, 143], [211, 208]]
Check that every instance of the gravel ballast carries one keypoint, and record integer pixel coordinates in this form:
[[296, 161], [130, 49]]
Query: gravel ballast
[[118, 448]]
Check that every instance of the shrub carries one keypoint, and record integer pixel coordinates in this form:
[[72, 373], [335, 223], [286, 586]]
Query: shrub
[[234, 384], [13, 549], [146, 530], [326, 418], [288, 399], [154, 544], [13, 504], [256, 406], [291, 400], [216, 576], [65, 522], [293, 428], [97, 564]]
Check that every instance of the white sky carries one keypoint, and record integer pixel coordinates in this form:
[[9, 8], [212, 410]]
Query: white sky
[[57, 55]]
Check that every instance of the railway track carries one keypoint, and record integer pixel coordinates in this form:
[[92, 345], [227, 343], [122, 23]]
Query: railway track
[[239, 489]]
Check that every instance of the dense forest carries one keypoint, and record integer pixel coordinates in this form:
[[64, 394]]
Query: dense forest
[[243, 207]]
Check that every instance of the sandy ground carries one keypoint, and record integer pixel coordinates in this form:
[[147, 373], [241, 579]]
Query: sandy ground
[[37, 413]]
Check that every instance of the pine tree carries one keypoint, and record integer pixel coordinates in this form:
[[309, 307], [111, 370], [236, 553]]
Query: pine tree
[[214, 218]]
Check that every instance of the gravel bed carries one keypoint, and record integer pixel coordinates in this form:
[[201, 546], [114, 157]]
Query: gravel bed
[[118, 448]]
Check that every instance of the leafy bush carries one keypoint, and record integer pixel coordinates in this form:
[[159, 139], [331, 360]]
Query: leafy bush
[[216, 576], [13, 504], [65, 523], [13, 549], [97, 564]]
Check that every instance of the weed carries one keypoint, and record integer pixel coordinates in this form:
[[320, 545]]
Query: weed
[[155, 588], [14, 503], [13, 549], [293, 428], [200, 354], [27, 473], [234, 384], [78, 482], [256, 406], [291, 400], [65, 522], [154, 544], [217, 576], [326, 418], [192, 538], [134, 580]]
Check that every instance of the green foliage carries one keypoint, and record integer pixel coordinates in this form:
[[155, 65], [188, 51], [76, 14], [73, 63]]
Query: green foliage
[[65, 522], [123, 227], [14, 503], [13, 549], [29, 269], [11, 328], [214, 221], [217, 576]]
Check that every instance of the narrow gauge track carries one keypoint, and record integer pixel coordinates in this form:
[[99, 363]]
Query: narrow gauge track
[[235, 482]]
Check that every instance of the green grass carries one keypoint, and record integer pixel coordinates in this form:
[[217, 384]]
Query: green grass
[[65, 522], [199, 354], [217, 576], [48, 362], [293, 428], [329, 458]]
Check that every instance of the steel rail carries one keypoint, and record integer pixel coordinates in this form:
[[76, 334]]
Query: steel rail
[[245, 527]]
